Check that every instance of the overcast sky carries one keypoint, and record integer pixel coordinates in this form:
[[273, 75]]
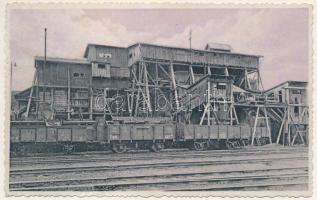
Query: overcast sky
[[280, 35]]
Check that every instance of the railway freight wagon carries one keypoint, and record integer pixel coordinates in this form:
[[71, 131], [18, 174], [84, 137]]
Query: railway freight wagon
[[88, 135], [202, 137], [38, 137]]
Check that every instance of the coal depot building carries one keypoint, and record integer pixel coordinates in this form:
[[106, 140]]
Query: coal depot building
[[151, 96]]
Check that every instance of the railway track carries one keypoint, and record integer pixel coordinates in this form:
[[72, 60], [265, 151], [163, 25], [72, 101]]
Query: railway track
[[223, 170], [165, 180], [169, 164], [97, 158]]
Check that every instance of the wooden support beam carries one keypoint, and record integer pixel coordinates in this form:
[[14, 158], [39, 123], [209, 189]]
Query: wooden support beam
[[31, 94], [207, 105], [174, 86], [279, 117], [231, 116], [192, 74], [208, 102], [226, 71], [164, 71], [132, 94], [254, 127], [37, 93], [247, 78], [242, 81], [235, 114], [52, 103], [268, 125], [68, 93], [90, 95], [281, 128], [147, 90], [158, 87]]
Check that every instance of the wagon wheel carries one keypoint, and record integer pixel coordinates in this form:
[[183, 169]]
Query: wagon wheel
[[119, 148], [200, 146], [19, 150], [68, 148], [229, 145], [243, 143], [156, 147]]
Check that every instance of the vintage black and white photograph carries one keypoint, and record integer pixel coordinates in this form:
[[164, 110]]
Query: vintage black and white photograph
[[189, 99]]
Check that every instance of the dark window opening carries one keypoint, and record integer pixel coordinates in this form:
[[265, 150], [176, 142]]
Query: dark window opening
[[130, 55], [82, 75], [76, 75], [296, 92], [296, 100], [280, 99], [296, 111], [198, 70], [221, 86], [101, 66]]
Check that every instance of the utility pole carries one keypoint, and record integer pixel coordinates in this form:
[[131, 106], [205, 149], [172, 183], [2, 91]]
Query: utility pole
[[44, 66], [11, 73], [190, 39], [192, 76]]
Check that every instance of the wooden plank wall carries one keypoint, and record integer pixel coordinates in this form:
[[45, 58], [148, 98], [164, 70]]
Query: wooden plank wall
[[195, 56]]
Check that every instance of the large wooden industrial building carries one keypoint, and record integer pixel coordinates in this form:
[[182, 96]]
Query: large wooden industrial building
[[213, 86]]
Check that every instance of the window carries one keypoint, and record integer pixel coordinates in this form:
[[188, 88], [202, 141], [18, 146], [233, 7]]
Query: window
[[101, 66], [280, 99], [221, 86], [130, 55], [76, 75], [296, 92], [105, 55], [82, 75], [296, 111]]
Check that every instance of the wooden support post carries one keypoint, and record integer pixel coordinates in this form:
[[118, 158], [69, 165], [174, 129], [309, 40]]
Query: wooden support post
[[226, 71], [235, 114], [31, 95], [288, 116], [207, 105], [208, 102], [279, 117], [90, 95], [254, 127], [138, 86], [231, 116], [267, 124], [37, 93], [147, 90], [174, 86], [133, 88], [137, 103], [258, 79], [247, 79], [52, 103], [208, 70], [192, 74], [281, 128], [68, 92], [105, 107]]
